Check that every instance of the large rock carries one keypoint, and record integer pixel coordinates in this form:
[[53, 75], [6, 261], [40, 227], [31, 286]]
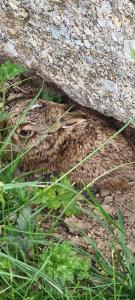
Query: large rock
[[83, 46]]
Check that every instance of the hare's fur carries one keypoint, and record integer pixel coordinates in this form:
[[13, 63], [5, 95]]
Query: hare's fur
[[61, 138]]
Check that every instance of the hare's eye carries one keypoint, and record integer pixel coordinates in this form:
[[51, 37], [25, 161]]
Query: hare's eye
[[24, 133]]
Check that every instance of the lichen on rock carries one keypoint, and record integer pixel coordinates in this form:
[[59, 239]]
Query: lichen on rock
[[78, 45]]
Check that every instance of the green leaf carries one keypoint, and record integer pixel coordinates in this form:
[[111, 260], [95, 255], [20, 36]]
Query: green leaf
[[9, 70], [122, 232], [3, 116], [63, 263], [132, 52], [51, 97], [59, 196], [25, 221]]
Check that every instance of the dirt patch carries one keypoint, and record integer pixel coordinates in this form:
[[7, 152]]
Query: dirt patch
[[96, 229], [90, 226]]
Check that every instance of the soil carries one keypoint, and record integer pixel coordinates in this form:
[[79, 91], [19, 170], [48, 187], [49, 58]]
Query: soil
[[73, 228], [111, 203]]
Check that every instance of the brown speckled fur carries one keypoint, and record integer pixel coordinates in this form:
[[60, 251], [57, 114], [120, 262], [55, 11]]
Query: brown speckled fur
[[61, 139]]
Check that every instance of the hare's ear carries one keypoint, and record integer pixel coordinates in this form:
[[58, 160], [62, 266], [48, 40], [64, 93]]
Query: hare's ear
[[51, 104], [73, 123]]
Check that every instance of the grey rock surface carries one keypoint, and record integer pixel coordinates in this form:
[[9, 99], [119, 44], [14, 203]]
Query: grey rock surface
[[83, 46]]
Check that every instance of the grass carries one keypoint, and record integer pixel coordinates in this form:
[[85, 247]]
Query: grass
[[37, 263]]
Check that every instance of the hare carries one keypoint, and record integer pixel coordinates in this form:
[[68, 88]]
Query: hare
[[55, 139]]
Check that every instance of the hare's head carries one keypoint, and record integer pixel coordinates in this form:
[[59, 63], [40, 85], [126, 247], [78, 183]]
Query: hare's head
[[39, 129]]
